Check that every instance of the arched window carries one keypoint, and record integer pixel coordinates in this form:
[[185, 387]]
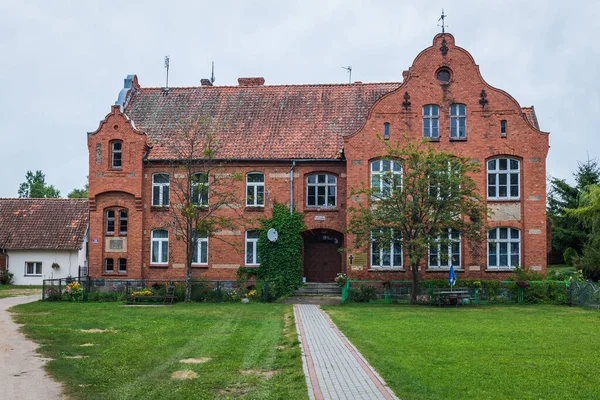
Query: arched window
[[110, 222], [160, 247], [201, 250], [321, 190], [252, 257], [444, 253], [160, 189], [123, 222], [458, 121], [503, 176], [255, 189], [431, 121], [386, 175], [386, 250], [116, 154], [199, 185], [504, 248]]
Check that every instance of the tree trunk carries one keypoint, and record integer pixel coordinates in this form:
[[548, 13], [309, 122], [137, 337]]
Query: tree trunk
[[415, 282]]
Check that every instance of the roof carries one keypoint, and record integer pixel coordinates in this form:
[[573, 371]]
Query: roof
[[258, 122], [531, 117], [58, 224]]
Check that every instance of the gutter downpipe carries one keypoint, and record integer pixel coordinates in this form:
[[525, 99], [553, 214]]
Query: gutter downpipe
[[292, 186]]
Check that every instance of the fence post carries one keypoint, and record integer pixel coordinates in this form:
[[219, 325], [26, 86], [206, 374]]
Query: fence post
[[60, 288], [266, 291], [219, 297], [345, 290], [44, 289]]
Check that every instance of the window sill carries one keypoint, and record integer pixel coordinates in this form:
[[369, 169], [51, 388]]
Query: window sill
[[255, 208], [159, 266], [445, 270], [252, 266], [159, 208], [504, 200], [459, 139], [200, 266], [432, 139], [384, 269], [500, 269], [321, 209], [32, 276]]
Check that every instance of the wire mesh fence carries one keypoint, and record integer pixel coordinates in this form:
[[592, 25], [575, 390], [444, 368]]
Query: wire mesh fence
[[584, 294]]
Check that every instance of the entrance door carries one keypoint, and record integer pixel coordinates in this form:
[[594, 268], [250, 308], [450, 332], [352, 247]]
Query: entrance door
[[322, 260]]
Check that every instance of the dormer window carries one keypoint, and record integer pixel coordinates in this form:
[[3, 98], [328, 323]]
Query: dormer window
[[116, 150]]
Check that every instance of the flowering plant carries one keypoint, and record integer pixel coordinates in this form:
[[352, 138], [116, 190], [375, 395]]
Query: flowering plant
[[341, 279], [74, 292], [145, 292], [422, 299]]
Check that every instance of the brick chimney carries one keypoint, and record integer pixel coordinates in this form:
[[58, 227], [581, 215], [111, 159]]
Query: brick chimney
[[260, 81], [205, 82]]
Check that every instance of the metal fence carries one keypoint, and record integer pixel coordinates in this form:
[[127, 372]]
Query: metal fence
[[101, 289], [584, 294]]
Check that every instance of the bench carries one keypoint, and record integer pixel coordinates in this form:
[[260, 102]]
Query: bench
[[167, 298], [447, 297]]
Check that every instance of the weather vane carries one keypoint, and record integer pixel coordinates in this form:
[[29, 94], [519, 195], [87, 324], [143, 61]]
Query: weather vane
[[442, 19]]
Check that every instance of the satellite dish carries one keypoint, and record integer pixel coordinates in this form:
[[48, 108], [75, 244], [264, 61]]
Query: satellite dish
[[272, 234]]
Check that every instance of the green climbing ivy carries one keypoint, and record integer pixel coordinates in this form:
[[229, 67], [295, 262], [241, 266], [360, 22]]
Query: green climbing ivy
[[280, 261]]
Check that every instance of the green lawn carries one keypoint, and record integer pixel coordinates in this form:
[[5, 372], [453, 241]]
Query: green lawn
[[17, 290], [509, 352], [247, 351]]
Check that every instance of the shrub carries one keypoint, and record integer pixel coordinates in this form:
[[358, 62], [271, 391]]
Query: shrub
[[51, 294], [570, 256], [6, 278], [363, 294]]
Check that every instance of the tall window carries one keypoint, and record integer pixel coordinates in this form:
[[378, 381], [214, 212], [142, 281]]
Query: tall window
[[33, 268], [444, 253], [503, 128], [255, 189], [431, 121], [122, 265], [110, 221], [116, 149], [109, 265], [160, 189], [252, 257], [123, 222], [503, 179], [386, 131], [458, 121], [386, 253], [321, 190], [386, 175], [504, 248], [201, 250], [160, 247], [199, 183]]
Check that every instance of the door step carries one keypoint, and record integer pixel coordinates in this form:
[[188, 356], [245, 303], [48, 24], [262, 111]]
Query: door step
[[319, 289]]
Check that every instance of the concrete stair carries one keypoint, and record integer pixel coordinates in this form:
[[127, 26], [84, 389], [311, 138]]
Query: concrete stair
[[319, 289]]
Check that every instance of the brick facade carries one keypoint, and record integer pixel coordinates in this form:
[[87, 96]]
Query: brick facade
[[327, 127]]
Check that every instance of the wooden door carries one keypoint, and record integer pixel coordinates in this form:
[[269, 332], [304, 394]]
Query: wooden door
[[322, 262]]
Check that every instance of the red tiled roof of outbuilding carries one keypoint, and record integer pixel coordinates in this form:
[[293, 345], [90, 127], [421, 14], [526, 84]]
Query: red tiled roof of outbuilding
[[43, 223], [258, 122]]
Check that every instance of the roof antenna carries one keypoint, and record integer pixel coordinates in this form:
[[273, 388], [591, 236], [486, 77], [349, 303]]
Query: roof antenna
[[349, 69], [212, 76], [167, 67], [442, 19]]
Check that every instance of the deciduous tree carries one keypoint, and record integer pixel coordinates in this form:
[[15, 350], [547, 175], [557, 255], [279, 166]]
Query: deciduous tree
[[35, 187]]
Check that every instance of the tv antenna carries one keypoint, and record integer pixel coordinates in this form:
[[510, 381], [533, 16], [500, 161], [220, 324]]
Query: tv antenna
[[212, 76], [442, 19], [167, 67], [349, 69]]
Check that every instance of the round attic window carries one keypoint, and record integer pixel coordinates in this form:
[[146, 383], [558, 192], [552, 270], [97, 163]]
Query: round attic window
[[443, 75]]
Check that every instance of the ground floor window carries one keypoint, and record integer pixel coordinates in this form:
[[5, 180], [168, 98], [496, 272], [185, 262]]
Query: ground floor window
[[504, 248], [109, 265], [201, 250], [386, 250], [252, 257], [122, 265], [33, 268], [445, 252], [160, 247]]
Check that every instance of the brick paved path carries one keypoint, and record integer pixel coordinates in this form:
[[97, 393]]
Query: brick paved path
[[333, 367]]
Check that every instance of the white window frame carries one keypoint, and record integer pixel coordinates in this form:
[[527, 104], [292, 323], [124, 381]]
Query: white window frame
[[255, 259], [106, 270], [195, 185], [448, 252], [496, 173], [455, 117], [114, 151], [121, 271], [509, 241], [326, 185], [381, 250], [110, 219], [123, 219], [378, 178], [252, 188], [35, 265], [160, 257], [162, 200], [431, 121], [197, 256]]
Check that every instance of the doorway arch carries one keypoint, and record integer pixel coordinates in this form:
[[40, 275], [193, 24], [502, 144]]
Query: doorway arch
[[322, 259]]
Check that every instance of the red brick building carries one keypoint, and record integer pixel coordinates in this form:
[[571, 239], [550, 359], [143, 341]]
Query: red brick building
[[310, 145]]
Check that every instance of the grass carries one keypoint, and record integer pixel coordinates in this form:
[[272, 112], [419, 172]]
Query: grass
[[250, 351], [509, 352], [18, 290]]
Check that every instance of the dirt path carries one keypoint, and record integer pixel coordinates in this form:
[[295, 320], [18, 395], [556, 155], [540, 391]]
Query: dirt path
[[22, 376]]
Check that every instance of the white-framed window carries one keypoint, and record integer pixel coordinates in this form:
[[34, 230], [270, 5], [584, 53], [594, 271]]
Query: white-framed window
[[443, 255], [109, 265], [160, 247], [503, 179], [252, 257], [199, 185], [386, 253], [441, 183], [255, 189], [431, 121], [201, 250], [123, 222], [116, 150], [458, 121], [122, 265], [386, 175], [160, 189], [110, 222], [321, 190], [504, 248], [33, 268]]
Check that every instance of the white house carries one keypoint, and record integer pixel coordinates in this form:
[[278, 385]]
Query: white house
[[43, 238]]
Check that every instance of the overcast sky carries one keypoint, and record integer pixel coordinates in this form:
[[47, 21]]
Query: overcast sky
[[63, 63]]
